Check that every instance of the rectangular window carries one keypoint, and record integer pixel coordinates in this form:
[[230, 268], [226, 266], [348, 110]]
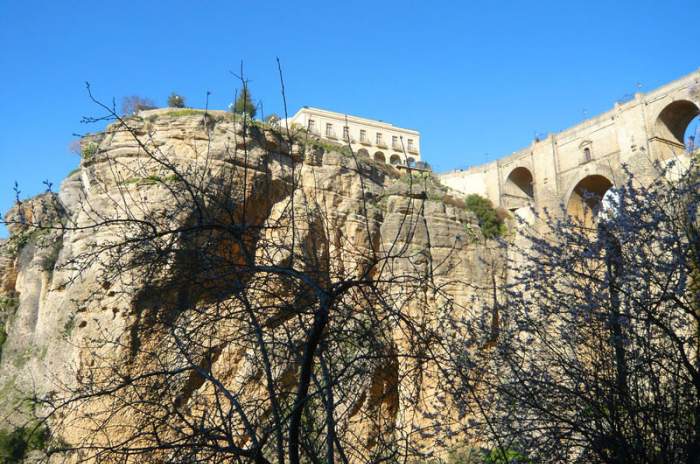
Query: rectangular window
[[410, 144], [329, 129], [395, 142], [312, 125], [363, 135], [379, 138], [346, 133]]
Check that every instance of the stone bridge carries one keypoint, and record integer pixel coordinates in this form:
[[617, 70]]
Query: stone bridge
[[588, 158]]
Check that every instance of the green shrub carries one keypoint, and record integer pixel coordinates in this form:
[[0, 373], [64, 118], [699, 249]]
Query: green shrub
[[49, 260], [8, 306], [491, 223], [176, 101], [89, 150], [69, 326], [3, 337], [512, 456], [17, 443]]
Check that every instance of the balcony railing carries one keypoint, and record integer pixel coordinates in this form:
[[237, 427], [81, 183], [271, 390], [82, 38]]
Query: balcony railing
[[396, 146], [331, 135], [381, 144], [365, 141], [413, 150]]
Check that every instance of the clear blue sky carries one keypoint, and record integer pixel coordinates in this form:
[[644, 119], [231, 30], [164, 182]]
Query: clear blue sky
[[477, 78]]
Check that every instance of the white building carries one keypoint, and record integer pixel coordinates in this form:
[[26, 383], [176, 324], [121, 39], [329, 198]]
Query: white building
[[382, 141]]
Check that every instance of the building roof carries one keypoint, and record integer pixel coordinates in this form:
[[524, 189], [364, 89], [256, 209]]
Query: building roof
[[350, 118]]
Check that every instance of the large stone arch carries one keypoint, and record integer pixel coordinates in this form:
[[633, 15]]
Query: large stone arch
[[671, 124], [363, 152], [395, 160], [584, 200], [519, 188], [379, 156]]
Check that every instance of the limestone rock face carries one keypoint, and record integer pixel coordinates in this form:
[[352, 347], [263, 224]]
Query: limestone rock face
[[44, 302]]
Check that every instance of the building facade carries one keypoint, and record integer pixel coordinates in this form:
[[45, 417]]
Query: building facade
[[379, 140]]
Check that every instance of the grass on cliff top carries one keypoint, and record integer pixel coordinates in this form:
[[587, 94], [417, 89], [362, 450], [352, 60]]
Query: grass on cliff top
[[183, 112]]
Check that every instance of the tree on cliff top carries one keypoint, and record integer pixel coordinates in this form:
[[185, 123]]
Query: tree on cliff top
[[244, 103], [176, 101]]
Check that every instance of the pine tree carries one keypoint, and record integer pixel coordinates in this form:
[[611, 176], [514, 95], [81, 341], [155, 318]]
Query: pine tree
[[244, 104]]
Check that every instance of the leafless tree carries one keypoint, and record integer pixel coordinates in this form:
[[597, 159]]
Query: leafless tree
[[597, 359], [132, 104]]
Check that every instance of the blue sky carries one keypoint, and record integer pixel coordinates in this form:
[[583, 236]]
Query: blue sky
[[477, 78]]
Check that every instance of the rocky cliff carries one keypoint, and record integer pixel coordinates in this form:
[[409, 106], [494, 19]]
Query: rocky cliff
[[58, 298]]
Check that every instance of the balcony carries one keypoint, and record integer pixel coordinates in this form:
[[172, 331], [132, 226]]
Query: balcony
[[412, 149], [365, 141], [382, 145], [396, 146], [331, 135]]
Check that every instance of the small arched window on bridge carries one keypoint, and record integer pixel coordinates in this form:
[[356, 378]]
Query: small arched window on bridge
[[586, 151]]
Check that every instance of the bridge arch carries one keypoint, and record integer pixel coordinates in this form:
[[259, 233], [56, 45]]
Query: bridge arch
[[518, 190], [584, 200], [673, 121]]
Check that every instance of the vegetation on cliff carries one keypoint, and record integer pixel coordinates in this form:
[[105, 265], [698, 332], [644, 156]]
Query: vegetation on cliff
[[491, 220], [17, 444]]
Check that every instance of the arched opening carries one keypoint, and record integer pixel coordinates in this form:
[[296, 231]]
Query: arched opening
[[677, 127], [395, 160], [379, 156], [586, 198], [363, 152], [411, 162], [519, 190]]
